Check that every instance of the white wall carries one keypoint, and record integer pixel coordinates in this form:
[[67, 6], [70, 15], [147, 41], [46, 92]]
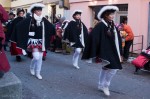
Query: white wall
[[59, 10], [5, 3], [19, 3]]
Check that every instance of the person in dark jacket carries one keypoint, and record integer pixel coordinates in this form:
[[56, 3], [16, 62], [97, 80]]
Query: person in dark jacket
[[13, 48], [4, 64], [128, 39], [76, 33], [104, 42], [36, 32], [8, 28]]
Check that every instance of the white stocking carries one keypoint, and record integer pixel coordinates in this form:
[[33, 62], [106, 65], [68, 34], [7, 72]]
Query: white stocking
[[102, 77], [36, 62], [76, 56], [110, 74]]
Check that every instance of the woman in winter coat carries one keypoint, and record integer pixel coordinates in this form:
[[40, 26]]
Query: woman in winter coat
[[104, 42], [76, 33]]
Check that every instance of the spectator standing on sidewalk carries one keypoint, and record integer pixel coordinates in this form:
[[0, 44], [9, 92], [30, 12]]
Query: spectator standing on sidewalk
[[128, 40]]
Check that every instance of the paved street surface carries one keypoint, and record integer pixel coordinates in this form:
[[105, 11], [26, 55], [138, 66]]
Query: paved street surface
[[62, 81]]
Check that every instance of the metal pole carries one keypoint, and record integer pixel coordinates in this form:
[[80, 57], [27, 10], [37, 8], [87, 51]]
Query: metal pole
[[132, 50], [142, 42]]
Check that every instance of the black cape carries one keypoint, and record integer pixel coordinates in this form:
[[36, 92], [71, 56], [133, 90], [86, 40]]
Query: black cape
[[21, 33], [11, 26], [71, 33], [101, 45]]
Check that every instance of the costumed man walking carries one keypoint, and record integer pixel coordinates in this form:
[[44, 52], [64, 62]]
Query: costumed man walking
[[36, 32], [76, 33], [4, 64], [13, 48], [104, 42]]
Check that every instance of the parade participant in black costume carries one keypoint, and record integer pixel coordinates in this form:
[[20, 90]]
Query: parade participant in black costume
[[36, 32], [13, 49], [104, 42], [76, 33], [8, 28]]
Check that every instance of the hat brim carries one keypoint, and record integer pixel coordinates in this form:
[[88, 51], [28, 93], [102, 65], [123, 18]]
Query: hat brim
[[40, 5], [76, 12], [106, 8]]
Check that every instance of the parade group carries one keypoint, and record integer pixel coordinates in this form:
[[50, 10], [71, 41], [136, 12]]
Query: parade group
[[33, 35]]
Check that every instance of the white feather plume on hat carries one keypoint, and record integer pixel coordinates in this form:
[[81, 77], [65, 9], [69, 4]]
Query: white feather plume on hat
[[35, 5], [105, 8]]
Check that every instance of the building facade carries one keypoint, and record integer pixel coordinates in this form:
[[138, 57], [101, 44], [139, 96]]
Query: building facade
[[52, 8], [6, 4], [25, 4], [137, 12]]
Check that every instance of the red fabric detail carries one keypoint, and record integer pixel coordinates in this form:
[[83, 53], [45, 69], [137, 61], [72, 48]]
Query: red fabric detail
[[14, 50], [140, 61], [3, 18], [32, 46], [44, 53], [52, 39], [4, 64]]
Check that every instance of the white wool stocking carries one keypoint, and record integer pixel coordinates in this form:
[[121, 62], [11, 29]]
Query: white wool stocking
[[106, 77], [36, 62], [76, 56]]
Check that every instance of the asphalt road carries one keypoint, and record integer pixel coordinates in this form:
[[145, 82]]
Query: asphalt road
[[62, 81]]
